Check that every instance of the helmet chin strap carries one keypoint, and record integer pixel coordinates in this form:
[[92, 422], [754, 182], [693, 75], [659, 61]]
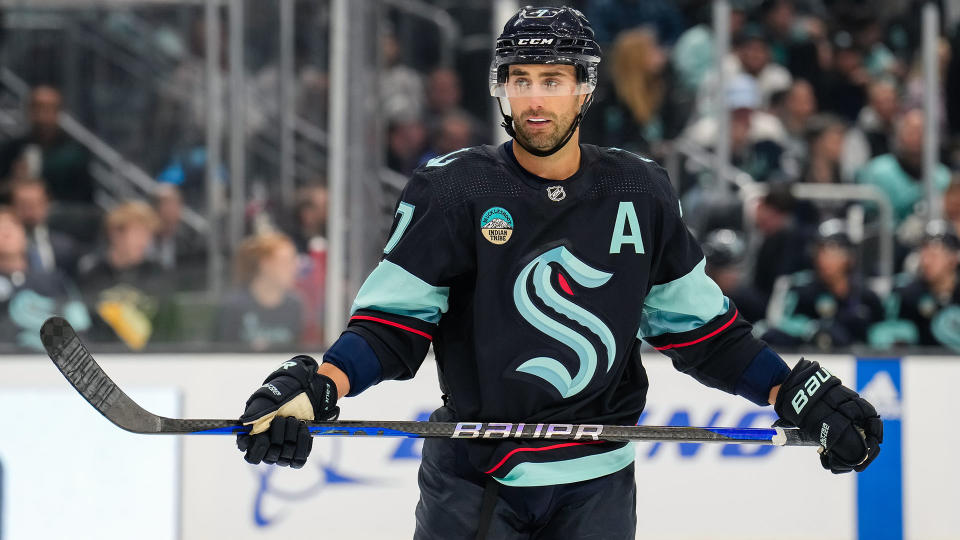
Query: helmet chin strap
[[507, 125]]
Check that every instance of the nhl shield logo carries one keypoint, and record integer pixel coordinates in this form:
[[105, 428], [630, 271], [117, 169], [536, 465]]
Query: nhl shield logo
[[556, 193]]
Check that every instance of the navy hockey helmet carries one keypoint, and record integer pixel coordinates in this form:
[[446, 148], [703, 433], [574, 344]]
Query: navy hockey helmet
[[833, 232], [942, 232], [723, 248], [546, 35]]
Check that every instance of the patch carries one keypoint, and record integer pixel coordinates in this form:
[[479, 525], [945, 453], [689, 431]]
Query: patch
[[556, 193], [927, 306], [496, 224], [825, 306]]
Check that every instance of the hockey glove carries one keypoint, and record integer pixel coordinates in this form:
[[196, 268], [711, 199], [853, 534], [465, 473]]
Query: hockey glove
[[294, 392], [848, 427]]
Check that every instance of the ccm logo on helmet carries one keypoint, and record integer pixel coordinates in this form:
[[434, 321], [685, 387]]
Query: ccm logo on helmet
[[535, 41]]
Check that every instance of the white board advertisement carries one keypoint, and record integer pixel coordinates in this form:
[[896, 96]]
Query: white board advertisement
[[366, 487]]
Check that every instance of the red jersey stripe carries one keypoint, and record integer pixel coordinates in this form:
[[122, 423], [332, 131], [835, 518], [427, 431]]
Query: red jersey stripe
[[391, 323], [554, 447], [708, 336]]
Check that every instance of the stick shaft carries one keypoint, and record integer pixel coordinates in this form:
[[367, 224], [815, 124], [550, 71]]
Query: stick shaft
[[496, 430], [88, 378]]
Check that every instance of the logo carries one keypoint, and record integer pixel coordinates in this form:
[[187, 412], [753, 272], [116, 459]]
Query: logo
[[272, 389], [556, 193], [496, 224], [826, 306], [810, 388], [445, 159], [535, 41], [287, 365], [541, 13], [540, 270], [882, 393], [495, 430]]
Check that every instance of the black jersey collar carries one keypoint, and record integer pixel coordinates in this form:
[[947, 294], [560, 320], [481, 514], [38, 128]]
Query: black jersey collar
[[573, 184]]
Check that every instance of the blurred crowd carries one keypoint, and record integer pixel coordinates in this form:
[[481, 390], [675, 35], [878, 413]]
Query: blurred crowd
[[817, 93]]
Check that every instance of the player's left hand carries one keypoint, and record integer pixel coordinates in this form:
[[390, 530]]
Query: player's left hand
[[848, 427]]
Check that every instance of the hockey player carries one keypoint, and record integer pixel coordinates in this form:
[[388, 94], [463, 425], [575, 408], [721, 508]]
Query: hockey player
[[829, 306], [930, 302], [535, 268]]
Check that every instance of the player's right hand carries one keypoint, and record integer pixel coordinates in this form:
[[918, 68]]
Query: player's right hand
[[275, 413]]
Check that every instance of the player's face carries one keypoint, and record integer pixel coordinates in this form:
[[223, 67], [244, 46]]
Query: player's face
[[544, 100], [832, 261], [937, 261]]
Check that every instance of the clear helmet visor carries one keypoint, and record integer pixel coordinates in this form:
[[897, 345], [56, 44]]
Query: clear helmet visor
[[541, 82]]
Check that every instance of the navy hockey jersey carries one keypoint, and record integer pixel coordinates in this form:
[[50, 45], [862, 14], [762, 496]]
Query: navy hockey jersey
[[535, 294]]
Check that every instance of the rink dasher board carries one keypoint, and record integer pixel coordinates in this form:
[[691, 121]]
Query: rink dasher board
[[369, 486]]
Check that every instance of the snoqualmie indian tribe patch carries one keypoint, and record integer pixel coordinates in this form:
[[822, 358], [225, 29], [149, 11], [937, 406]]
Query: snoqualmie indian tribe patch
[[496, 224]]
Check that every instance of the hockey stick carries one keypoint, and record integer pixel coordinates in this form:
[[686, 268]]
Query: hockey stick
[[87, 377]]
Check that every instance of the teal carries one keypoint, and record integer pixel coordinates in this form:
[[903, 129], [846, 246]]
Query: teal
[[681, 305], [405, 211], [903, 191], [391, 289], [550, 473], [626, 215], [445, 159], [550, 369]]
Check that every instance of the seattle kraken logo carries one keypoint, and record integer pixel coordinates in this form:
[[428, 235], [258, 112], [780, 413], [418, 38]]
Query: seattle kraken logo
[[550, 369]]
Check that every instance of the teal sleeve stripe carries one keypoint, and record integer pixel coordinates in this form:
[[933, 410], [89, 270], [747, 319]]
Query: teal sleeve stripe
[[681, 305], [391, 289], [568, 471]]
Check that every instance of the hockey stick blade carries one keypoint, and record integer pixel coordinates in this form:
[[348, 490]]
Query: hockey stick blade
[[79, 367]]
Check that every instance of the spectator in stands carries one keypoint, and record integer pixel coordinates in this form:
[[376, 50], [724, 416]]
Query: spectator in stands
[[309, 235], [810, 53], [610, 17], [455, 131], [870, 136], [311, 217], [794, 107], [264, 313], [47, 152], [777, 17], [900, 174], [401, 87], [693, 55], [177, 248], [930, 302], [952, 88], [757, 138], [28, 294], [868, 30], [725, 251], [914, 92], [751, 56], [828, 307], [640, 106], [825, 136], [842, 89], [444, 103], [406, 143], [48, 250], [122, 284], [779, 253], [951, 203]]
